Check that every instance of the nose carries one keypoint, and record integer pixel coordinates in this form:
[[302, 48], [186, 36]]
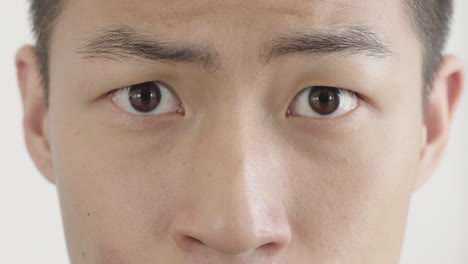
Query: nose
[[232, 203], [228, 222]]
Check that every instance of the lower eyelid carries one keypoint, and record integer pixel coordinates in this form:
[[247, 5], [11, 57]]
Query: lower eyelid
[[358, 97], [136, 119], [114, 95], [342, 122]]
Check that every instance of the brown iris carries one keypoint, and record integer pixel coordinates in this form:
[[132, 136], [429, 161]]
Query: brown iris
[[145, 97], [324, 100]]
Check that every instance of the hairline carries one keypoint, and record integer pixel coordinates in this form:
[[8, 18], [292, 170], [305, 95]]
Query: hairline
[[429, 64]]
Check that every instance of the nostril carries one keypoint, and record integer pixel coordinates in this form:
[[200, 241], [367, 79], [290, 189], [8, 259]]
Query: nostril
[[268, 248], [230, 230], [189, 243], [193, 240]]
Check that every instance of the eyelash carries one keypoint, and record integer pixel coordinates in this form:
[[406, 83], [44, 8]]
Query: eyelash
[[345, 102], [332, 115]]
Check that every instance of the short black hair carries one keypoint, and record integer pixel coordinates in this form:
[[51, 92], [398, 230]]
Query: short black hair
[[44, 14], [430, 19]]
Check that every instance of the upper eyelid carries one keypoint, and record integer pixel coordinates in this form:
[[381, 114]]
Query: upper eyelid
[[111, 93], [357, 94], [119, 92], [307, 89], [165, 84]]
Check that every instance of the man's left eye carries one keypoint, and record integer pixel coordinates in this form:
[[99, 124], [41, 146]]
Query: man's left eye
[[150, 98], [324, 102]]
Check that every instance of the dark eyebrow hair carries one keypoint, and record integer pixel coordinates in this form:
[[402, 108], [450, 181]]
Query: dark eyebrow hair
[[355, 40], [120, 43]]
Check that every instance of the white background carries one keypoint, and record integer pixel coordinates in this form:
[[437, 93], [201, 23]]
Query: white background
[[30, 224]]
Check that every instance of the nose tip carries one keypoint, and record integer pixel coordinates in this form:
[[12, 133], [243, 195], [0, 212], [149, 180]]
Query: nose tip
[[231, 234]]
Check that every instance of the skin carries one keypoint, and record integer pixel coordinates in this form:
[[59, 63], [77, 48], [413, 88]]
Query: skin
[[235, 179]]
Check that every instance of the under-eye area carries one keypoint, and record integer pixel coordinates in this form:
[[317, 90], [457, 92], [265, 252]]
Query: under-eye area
[[237, 131]]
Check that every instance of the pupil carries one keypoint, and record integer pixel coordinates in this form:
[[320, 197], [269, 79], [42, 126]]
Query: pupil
[[145, 97], [324, 100]]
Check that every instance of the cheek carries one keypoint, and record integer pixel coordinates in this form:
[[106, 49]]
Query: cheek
[[112, 190], [109, 255], [355, 187]]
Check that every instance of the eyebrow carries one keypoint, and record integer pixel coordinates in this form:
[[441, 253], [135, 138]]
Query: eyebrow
[[123, 43], [354, 40]]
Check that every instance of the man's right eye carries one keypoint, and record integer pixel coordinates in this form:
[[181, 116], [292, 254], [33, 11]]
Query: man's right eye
[[149, 98]]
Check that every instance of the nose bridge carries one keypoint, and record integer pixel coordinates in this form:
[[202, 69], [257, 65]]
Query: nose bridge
[[232, 207], [230, 140]]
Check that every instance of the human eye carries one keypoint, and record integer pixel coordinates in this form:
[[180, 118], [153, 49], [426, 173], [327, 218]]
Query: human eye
[[324, 102], [149, 98]]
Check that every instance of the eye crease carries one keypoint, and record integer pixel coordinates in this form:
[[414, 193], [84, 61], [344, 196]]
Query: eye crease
[[153, 98], [149, 98], [324, 102]]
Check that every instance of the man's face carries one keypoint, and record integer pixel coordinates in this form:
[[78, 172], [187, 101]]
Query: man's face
[[235, 164]]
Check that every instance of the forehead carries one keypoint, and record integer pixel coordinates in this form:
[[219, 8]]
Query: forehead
[[236, 29], [222, 24], [254, 14]]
